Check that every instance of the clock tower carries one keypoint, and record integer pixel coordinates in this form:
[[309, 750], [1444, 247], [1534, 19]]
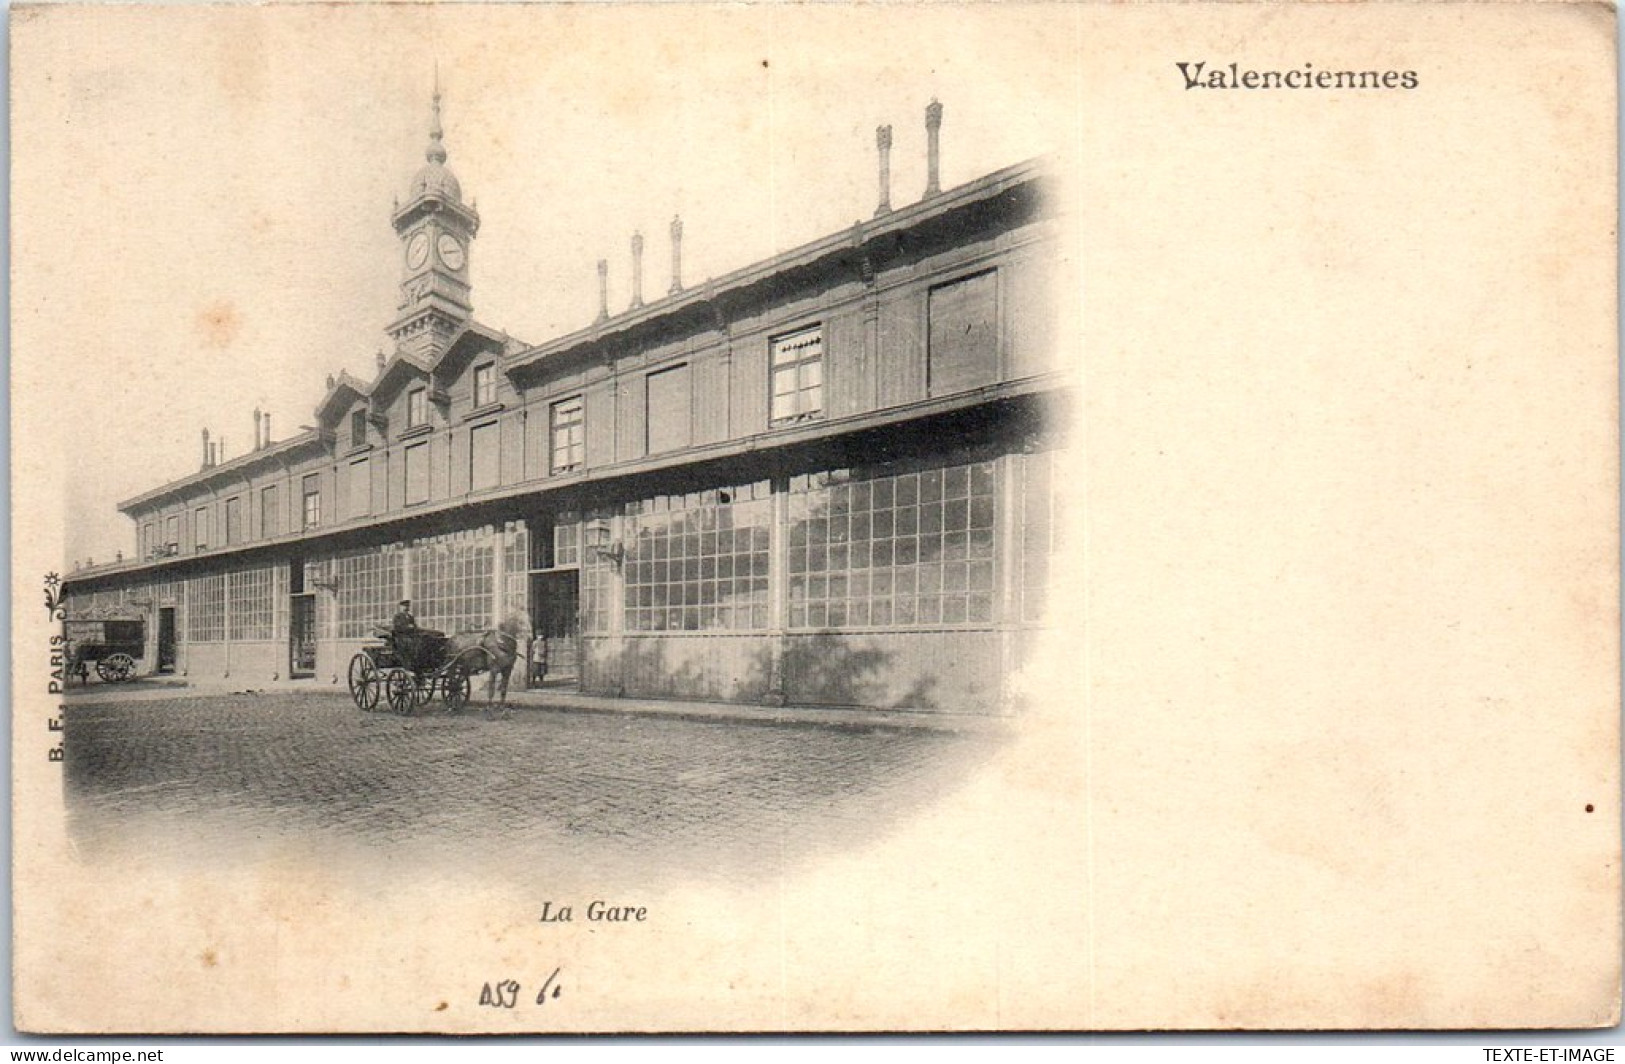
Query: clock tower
[[436, 228]]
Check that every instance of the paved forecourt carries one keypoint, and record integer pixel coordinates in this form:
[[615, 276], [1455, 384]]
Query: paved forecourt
[[217, 773]]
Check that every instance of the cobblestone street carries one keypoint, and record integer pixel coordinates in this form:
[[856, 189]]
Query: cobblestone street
[[217, 778]]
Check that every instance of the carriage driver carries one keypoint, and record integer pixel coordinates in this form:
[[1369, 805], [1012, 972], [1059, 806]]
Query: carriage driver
[[404, 631]]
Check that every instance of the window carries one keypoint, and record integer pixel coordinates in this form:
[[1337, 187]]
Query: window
[[249, 604], [566, 418], [698, 561], [358, 428], [892, 549], [234, 520], [567, 539], [172, 534], [963, 348], [206, 609], [485, 385], [452, 577], [369, 586], [516, 580], [360, 488], [555, 541], [482, 457], [417, 407], [200, 528], [270, 518], [668, 409], [798, 376], [313, 500], [417, 473]]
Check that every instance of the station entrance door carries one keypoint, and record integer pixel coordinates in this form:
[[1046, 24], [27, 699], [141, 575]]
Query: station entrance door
[[555, 598]]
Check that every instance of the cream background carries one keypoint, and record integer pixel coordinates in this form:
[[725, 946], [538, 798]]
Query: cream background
[[1338, 672]]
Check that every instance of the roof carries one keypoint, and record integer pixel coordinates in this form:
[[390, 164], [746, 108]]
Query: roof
[[271, 451], [400, 362], [468, 342], [344, 390], [436, 179], [841, 244]]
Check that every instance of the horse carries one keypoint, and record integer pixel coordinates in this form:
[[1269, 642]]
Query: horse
[[499, 649]]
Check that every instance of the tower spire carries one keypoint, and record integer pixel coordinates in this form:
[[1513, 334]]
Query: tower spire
[[435, 228], [436, 152]]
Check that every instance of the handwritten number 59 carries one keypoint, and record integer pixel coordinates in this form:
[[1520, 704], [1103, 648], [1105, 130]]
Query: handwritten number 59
[[504, 994], [501, 995]]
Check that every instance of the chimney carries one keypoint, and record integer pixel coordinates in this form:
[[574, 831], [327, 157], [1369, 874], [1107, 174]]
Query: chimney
[[208, 453], [603, 289], [378, 360], [257, 429], [883, 142], [637, 270], [267, 428], [676, 257], [933, 152], [220, 450]]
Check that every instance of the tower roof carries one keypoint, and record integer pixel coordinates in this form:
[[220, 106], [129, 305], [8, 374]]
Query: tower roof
[[435, 178]]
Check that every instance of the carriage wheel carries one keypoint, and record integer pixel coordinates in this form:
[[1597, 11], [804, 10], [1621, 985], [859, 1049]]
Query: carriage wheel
[[401, 691], [116, 668], [364, 683], [454, 687]]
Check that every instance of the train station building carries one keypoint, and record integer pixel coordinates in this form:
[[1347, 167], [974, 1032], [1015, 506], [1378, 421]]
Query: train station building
[[827, 478]]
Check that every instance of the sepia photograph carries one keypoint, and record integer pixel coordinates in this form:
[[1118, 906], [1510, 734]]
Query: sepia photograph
[[787, 518], [735, 551]]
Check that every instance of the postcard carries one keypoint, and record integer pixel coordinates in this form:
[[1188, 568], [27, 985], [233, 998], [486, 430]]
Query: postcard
[[712, 518]]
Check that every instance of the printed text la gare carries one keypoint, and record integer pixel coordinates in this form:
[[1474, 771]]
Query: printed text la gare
[[598, 912]]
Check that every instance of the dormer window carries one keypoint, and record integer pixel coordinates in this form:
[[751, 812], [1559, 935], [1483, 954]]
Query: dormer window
[[485, 385], [358, 428], [417, 407]]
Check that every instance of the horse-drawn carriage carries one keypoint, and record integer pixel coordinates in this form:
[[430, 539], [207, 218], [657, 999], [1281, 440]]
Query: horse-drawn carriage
[[407, 671], [112, 646]]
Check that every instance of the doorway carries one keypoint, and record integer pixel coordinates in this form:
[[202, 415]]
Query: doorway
[[302, 636], [166, 639], [555, 598]]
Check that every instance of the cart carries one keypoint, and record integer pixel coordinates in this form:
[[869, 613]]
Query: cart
[[408, 681], [112, 647]]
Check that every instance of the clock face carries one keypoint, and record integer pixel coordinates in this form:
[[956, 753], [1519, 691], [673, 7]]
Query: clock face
[[417, 251], [451, 252]]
